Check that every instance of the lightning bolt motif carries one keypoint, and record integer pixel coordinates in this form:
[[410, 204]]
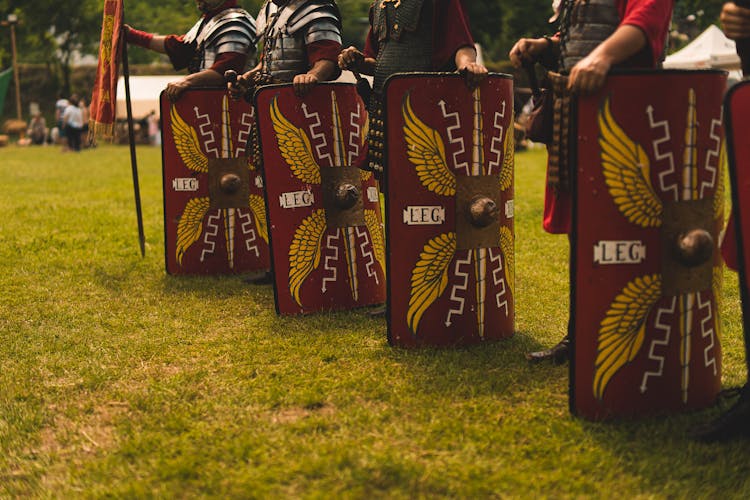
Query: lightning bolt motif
[[206, 130], [247, 228], [459, 289], [666, 185], [243, 135], [707, 331], [496, 145], [459, 141], [354, 135], [498, 279], [712, 157], [318, 137], [366, 249], [332, 257], [664, 326], [212, 229]]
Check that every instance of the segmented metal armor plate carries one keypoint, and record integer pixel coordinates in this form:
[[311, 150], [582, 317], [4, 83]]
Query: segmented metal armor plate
[[232, 30], [286, 32]]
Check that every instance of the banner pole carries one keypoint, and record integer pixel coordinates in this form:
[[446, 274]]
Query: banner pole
[[131, 140]]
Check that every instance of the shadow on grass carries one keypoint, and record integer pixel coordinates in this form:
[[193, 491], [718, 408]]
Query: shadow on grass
[[659, 451]]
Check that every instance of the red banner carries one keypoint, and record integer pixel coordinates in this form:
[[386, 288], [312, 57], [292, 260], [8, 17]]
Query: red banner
[[103, 98]]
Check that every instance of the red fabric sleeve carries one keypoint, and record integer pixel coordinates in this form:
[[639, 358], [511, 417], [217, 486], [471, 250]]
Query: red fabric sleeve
[[139, 38], [229, 60], [178, 51], [450, 33], [651, 16], [371, 45], [323, 49]]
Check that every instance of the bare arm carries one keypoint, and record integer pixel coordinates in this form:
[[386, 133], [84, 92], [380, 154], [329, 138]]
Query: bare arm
[[466, 62], [205, 78], [322, 70], [735, 21], [532, 49], [590, 73]]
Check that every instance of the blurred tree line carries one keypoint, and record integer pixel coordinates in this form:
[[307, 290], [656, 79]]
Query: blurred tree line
[[54, 34]]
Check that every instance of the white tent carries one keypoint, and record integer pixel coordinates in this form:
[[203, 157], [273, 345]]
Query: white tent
[[711, 49], [144, 94]]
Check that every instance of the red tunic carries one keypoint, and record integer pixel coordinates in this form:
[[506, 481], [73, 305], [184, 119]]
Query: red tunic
[[653, 18], [450, 32]]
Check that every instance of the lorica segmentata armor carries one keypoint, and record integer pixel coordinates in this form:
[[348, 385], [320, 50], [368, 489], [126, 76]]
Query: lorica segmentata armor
[[287, 30], [232, 30]]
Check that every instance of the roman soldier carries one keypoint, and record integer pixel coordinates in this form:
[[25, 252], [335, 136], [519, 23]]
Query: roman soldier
[[735, 422], [594, 36], [301, 40], [222, 39], [410, 36]]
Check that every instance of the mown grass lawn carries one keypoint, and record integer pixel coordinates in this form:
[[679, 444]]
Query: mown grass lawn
[[118, 380]]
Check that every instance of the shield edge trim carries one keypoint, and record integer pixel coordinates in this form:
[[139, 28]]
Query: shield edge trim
[[740, 237]]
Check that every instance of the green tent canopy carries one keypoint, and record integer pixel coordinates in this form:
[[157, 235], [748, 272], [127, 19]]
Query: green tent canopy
[[5, 77]]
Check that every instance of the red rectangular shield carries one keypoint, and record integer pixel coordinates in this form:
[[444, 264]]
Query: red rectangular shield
[[449, 177], [737, 112], [214, 211], [646, 272], [328, 252]]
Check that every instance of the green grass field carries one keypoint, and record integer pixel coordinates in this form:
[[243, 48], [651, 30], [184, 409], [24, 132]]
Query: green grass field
[[120, 381]]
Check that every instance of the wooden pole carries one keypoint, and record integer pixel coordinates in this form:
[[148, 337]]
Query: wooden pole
[[131, 139], [15, 68]]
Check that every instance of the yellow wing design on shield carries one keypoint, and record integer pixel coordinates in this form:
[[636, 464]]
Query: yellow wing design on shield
[[258, 207], [376, 235], [304, 252], [622, 330], [186, 142], [430, 276], [295, 147], [506, 245], [626, 169], [190, 227], [426, 152], [506, 174]]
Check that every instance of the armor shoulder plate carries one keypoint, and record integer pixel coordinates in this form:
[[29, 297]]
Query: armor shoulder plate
[[237, 21], [311, 12], [324, 30], [192, 32]]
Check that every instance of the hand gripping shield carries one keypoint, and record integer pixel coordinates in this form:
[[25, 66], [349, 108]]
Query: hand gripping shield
[[737, 113], [646, 271], [214, 212], [449, 171], [326, 227]]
